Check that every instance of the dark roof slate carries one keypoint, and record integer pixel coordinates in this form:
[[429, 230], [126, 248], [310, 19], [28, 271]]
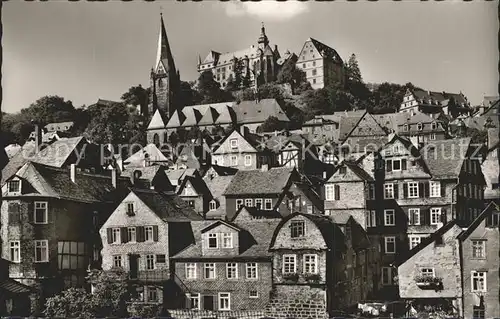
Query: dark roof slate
[[257, 181]]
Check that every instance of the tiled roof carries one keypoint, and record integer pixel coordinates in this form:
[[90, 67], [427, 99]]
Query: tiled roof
[[56, 182], [176, 175], [11, 286], [218, 184], [445, 158], [147, 173], [360, 172], [440, 97], [493, 138], [18, 160], [259, 182], [340, 217], [58, 152], [347, 123], [255, 112], [168, 206], [254, 237], [198, 184], [326, 51], [223, 170], [153, 155]]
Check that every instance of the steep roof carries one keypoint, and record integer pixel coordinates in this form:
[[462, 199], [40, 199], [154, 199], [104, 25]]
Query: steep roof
[[58, 152], [168, 206], [218, 184], [445, 158], [164, 54], [260, 182], [254, 239], [198, 184], [157, 120], [438, 97], [150, 151], [18, 160], [255, 112], [347, 124], [326, 51], [147, 173]]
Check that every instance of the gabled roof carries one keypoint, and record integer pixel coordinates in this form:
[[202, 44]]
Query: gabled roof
[[347, 124], [442, 98], [248, 112], [326, 51], [257, 181], [148, 173], [360, 172], [445, 158], [149, 152], [217, 223], [58, 152], [223, 170], [198, 184], [218, 184], [18, 160], [168, 206], [157, 121], [58, 126], [251, 139]]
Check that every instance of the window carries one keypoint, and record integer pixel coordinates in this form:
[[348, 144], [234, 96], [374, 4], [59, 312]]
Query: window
[[15, 251], [227, 240], [152, 294], [117, 261], [433, 136], [150, 262], [130, 209], [414, 216], [40, 213], [258, 203], [420, 126], [405, 128], [314, 72], [248, 202], [435, 188], [212, 241], [478, 281], [191, 271], [433, 125], [343, 170], [314, 81], [194, 301], [387, 277], [251, 271], [371, 191], [248, 160], [212, 205], [209, 271], [414, 241], [389, 191], [389, 217], [253, 294], [233, 160], [396, 165], [478, 249], [297, 228], [412, 190], [329, 191], [289, 264], [148, 233], [231, 270], [115, 236], [239, 203], [131, 234], [304, 65], [234, 143], [310, 264], [493, 220], [390, 244], [14, 186], [435, 216], [371, 218], [268, 204], [161, 259], [478, 312], [224, 301], [427, 272], [41, 251]]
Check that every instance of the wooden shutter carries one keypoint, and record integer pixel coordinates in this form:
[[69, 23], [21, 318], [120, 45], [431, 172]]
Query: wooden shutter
[[405, 190], [444, 217], [396, 190], [140, 234], [110, 235], [443, 189], [388, 165], [337, 192], [124, 234], [403, 164], [421, 189], [31, 212], [155, 233], [425, 218], [426, 189]]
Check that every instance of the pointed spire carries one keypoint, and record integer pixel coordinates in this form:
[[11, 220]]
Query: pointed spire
[[263, 41], [199, 59], [164, 54]]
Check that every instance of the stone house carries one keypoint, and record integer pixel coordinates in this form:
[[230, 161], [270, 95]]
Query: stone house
[[50, 221], [307, 264], [490, 169], [262, 189], [455, 270], [228, 267], [141, 235], [418, 128], [429, 102]]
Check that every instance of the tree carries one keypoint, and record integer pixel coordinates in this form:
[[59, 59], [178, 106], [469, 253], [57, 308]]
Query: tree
[[387, 98], [188, 95], [246, 81], [210, 90], [50, 109], [292, 75], [71, 303], [110, 292], [352, 69], [271, 124], [137, 96]]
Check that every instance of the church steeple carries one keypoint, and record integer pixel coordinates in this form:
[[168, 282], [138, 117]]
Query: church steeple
[[164, 53], [263, 41]]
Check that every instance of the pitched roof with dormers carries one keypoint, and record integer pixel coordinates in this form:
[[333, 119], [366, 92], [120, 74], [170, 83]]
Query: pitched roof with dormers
[[445, 158], [248, 112]]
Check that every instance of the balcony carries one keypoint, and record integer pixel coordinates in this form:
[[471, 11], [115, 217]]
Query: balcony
[[155, 275], [429, 282]]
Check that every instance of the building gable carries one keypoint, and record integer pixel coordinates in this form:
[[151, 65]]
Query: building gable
[[308, 52], [242, 145], [313, 237], [156, 121]]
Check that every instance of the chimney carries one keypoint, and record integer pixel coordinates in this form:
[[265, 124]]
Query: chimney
[[114, 177], [73, 173], [275, 48], [135, 177], [38, 134], [324, 175], [264, 168]]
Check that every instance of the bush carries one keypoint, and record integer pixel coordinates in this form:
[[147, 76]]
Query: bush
[[144, 310]]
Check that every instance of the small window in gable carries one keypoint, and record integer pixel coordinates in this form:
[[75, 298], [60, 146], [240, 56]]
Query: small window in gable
[[420, 126], [14, 187], [130, 209], [212, 205]]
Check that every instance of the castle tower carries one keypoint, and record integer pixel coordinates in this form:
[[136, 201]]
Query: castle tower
[[164, 79], [263, 40]]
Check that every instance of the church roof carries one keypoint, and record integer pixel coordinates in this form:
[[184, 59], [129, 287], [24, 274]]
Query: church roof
[[156, 121], [164, 54]]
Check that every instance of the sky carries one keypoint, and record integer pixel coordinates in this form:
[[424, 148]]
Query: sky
[[84, 51]]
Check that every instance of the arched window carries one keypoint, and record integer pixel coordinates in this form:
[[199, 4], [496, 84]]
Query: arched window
[[212, 205], [156, 139], [165, 137]]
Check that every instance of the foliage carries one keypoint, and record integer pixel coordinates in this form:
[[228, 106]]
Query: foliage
[[387, 98], [428, 279], [291, 276], [312, 277], [210, 90], [246, 81], [352, 70], [292, 75], [234, 82], [188, 94], [194, 133], [271, 124], [71, 303], [110, 292], [137, 95], [142, 310]]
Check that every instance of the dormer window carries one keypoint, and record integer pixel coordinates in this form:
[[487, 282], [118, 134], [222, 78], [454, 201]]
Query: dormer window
[[434, 126], [212, 241], [297, 228], [130, 209], [14, 187], [420, 126], [227, 240], [212, 205]]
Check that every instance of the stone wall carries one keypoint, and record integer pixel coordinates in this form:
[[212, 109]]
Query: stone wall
[[297, 302], [205, 314]]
